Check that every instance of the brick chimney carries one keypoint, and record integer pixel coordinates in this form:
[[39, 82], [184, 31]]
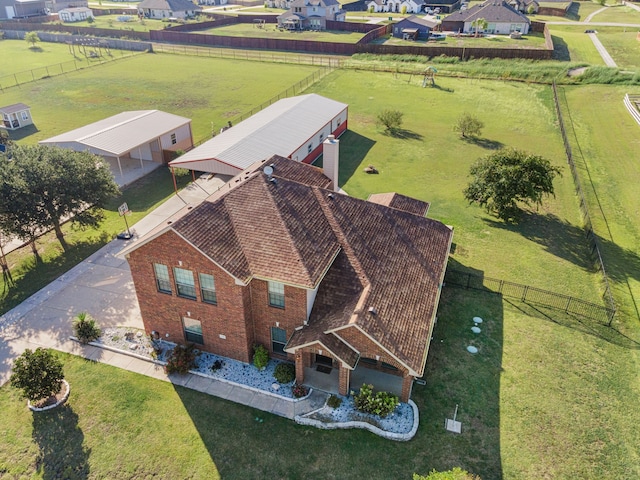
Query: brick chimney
[[330, 160]]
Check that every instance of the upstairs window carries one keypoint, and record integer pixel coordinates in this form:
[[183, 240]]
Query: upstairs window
[[173, 139], [276, 294], [163, 282], [185, 283], [208, 288]]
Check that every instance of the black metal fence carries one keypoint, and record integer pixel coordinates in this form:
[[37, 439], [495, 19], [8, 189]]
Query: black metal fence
[[529, 294], [588, 226]]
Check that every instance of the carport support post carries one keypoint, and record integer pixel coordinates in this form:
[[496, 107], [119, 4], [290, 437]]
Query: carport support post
[[175, 185], [120, 167], [140, 155]]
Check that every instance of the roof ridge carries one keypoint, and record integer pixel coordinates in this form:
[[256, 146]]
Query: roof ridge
[[111, 127]]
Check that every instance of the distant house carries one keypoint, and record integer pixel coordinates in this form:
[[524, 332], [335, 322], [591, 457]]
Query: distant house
[[395, 6], [75, 14], [160, 9], [501, 17], [22, 8], [56, 5], [413, 28], [16, 116], [525, 6], [346, 288], [311, 14]]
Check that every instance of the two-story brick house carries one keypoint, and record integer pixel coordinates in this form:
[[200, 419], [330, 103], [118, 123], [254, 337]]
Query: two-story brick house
[[311, 14], [279, 258]]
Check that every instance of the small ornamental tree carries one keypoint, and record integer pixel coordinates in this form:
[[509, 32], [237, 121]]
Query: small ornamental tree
[[32, 38], [454, 474], [403, 10], [85, 328], [38, 374], [507, 177], [260, 357], [390, 119], [468, 126]]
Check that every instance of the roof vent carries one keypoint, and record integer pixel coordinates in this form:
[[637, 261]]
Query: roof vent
[[330, 195], [373, 311], [273, 165], [273, 180]]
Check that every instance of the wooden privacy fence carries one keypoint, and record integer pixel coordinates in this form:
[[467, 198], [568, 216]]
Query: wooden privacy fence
[[529, 294]]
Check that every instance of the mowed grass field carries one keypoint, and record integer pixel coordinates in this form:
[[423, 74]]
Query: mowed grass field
[[548, 396], [623, 46], [270, 30], [496, 41], [572, 44], [208, 91], [608, 155], [134, 24]]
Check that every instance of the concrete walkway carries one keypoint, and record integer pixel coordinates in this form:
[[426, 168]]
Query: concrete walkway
[[102, 286], [608, 60], [590, 17], [629, 4]]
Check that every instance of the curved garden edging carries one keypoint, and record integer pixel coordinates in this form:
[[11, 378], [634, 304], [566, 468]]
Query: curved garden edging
[[59, 402], [399, 437]]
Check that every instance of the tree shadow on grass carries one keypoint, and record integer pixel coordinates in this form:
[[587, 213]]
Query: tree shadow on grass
[[60, 441], [560, 49], [403, 134], [570, 243], [484, 143]]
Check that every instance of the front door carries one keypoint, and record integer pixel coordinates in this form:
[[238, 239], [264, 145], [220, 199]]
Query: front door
[[324, 360]]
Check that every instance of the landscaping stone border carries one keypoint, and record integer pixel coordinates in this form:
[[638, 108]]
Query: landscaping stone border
[[59, 402], [399, 437]]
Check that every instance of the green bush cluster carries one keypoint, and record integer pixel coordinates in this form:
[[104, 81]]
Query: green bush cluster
[[182, 359], [334, 401], [260, 357], [285, 372], [37, 373], [85, 328], [381, 404]]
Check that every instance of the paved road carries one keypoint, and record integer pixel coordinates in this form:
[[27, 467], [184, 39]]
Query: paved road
[[588, 19], [608, 60]]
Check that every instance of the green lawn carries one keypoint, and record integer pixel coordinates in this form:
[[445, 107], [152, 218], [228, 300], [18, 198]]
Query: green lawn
[[207, 90], [111, 21], [618, 14], [607, 152], [271, 31], [572, 44], [623, 46], [24, 59]]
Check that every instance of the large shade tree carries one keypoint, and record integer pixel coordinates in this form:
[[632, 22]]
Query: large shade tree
[[42, 186], [509, 177]]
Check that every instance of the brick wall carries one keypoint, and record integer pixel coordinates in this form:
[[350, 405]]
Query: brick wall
[[163, 312], [369, 349], [288, 318]]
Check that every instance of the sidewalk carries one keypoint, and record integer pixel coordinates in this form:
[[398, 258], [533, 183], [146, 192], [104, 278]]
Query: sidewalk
[[102, 286]]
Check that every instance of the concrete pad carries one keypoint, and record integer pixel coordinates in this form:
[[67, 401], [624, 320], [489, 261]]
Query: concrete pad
[[241, 395], [196, 382], [178, 379], [266, 403], [219, 389], [284, 408], [139, 366], [121, 361]]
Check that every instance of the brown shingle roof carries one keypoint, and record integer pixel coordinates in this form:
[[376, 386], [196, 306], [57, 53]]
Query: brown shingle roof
[[401, 202]]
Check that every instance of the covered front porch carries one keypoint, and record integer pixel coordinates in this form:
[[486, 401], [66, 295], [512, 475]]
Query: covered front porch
[[329, 381]]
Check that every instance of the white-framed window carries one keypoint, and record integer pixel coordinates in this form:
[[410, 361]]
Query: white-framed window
[[208, 288], [163, 282], [192, 330], [310, 148], [276, 294], [321, 137], [185, 284], [173, 139], [25, 116], [278, 340]]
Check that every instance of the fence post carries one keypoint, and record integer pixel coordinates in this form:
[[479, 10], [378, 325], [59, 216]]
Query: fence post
[[566, 308], [524, 293]]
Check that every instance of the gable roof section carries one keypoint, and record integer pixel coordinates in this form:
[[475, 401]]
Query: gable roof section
[[172, 5], [279, 129], [400, 202], [416, 20], [123, 132], [15, 108], [494, 11]]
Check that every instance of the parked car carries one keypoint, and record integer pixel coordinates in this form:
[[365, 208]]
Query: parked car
[[436, 10], [437, 36]]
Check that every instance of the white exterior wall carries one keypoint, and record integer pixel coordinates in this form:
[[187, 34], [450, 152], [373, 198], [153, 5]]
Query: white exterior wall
[[311, 297], [301, 153], [339, 120], [182, 133], [500, 28], [152, 13], [143, 151]]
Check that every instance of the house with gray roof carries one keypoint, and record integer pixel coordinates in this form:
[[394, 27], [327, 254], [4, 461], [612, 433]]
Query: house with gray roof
[[345, 288], [413, 28], [168, 9], [15, 116], [501, 17], [21, 8], [311, 14]]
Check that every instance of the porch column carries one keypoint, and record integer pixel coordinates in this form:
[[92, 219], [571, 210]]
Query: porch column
[[344, 380], [119, 166], [299, 367], [140, 156], [407, 385]]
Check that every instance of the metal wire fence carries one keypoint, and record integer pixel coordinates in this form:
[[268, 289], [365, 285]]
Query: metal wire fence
[[529, 294], [588, 226]]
